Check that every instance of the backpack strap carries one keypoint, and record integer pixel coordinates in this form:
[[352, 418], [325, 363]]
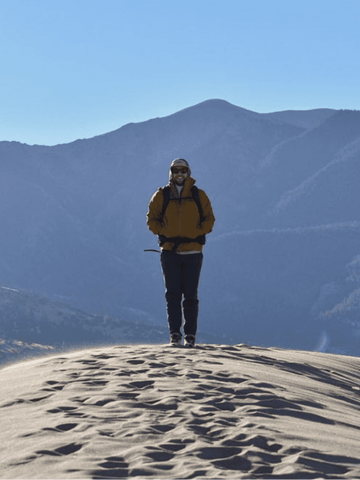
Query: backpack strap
[[201, 239], [195, 193], [166, 194]]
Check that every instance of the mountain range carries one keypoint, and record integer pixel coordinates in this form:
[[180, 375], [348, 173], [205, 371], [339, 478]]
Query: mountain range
[[281, 267]]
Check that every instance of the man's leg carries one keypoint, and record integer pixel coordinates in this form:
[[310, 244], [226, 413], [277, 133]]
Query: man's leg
[[190, 281], [171, 267]]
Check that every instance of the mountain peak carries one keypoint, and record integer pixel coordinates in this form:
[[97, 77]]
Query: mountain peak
[[216, 106]]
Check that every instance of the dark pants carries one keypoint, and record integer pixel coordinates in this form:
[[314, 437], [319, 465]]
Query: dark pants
[[181, 277]]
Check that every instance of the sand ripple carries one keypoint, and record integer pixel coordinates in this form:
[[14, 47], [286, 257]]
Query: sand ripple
[[154, 411]]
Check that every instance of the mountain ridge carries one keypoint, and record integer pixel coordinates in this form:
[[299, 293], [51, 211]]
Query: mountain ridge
[[219, 105]]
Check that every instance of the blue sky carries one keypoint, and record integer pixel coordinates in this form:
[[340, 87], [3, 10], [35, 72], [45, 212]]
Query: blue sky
[[74, 69]]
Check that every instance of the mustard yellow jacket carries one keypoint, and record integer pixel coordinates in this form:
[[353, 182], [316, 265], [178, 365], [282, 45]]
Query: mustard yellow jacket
[[182, 218]]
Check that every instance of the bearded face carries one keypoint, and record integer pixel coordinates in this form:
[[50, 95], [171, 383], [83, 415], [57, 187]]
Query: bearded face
[[179, 175]]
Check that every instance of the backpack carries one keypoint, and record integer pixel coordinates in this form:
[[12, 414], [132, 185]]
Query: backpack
[[177, 240], [195, 196]]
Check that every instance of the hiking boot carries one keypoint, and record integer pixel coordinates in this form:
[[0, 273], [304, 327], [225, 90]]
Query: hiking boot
[[175, 339], [190, 341]]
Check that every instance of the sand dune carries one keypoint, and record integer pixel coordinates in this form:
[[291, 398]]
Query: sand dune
[[154, 411]]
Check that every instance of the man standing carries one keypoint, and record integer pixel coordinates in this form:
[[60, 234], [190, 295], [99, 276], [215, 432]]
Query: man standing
[[181, 215]]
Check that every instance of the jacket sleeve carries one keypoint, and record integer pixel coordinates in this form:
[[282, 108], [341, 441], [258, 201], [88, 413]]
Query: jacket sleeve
[[207, 225], [153, 216]]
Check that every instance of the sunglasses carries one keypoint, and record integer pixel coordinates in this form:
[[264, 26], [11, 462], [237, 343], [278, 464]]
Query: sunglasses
[[179, 170]]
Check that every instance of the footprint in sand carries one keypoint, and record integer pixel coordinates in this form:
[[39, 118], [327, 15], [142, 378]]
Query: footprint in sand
[[64, 450]]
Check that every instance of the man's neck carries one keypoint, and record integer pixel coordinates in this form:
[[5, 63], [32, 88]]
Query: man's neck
[[179, 188]]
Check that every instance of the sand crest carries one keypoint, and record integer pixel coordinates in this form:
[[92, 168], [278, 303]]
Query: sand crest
[[154, 411]]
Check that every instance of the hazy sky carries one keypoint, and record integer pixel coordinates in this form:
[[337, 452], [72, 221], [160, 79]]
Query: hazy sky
[[74, 69]]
